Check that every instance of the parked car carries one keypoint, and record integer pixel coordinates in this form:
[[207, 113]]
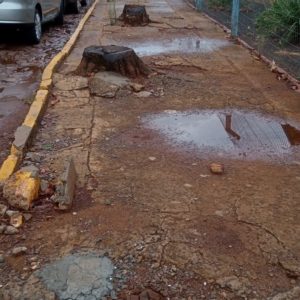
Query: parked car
[[31, 14]]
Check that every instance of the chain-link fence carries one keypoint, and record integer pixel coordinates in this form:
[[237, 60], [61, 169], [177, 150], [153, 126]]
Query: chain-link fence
[[272, 27]]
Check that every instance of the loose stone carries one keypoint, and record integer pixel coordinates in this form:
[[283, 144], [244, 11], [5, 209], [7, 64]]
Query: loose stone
[[3, 209], [10, 230], [16, 220], [216, 168], [18, 251]]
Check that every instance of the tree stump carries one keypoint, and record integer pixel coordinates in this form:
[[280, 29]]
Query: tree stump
[[118, 59], [134, 15]]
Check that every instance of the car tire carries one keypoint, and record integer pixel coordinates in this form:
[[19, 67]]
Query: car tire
[[59, 20], [73, 8], [35, 31]]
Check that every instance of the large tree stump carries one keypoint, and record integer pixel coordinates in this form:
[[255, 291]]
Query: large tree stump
[[119, 59], [134, 15]]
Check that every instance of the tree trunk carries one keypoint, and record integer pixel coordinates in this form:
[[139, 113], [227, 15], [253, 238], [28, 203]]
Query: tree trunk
[[134, 15], [119, 59]]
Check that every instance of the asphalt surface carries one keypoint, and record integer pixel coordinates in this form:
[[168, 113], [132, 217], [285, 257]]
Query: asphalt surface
[[21, 66]]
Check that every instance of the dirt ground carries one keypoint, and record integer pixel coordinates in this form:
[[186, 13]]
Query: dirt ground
[[146, 199]]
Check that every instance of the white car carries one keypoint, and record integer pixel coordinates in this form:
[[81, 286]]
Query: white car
[[31, 14]]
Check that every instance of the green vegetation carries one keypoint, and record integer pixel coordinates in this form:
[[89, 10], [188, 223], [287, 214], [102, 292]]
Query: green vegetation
[[225, 4], [281, 21], [219, 3]]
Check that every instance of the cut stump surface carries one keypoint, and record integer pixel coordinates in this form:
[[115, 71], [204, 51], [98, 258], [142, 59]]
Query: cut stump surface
[[118, 59], [135, 15]]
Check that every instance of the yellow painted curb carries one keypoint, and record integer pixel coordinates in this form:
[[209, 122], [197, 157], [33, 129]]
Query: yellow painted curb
[[24, 186], [46, 84], [38, 106], [9, 166]]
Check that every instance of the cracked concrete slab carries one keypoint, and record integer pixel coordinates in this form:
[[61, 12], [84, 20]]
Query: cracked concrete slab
[[77, 120], [78, 277], [164, 219], [70, 84]]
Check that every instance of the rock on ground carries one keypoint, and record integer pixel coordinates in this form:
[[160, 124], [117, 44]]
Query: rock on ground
[[66, 187], [10, 230], [18, 251], [240, 286], [22, 188], [292, 294], [3, 209]]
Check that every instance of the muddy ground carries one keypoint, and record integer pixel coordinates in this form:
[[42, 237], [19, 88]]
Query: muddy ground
[[21, 66], [146, 198]]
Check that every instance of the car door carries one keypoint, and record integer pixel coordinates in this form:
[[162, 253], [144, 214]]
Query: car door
[[50, 8]]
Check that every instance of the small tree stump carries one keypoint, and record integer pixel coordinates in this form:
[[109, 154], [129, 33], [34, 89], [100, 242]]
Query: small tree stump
[[134, 15], [119, 59]]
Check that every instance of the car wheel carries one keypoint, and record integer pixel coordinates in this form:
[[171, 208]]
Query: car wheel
[[73, 7], [35, 31], [83, 2], [59, 20]]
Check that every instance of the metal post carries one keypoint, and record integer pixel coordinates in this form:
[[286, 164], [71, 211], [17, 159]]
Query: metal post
[[112, 11], [199, 4], [235, 18]]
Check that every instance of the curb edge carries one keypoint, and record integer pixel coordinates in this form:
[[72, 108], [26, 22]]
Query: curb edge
[[39, 104]]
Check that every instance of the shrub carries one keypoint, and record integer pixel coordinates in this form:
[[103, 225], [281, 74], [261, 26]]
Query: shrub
[[226, 4], [219, 3], [281, 21]]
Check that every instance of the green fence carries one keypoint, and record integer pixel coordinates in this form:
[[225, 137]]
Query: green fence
[[270, 26]]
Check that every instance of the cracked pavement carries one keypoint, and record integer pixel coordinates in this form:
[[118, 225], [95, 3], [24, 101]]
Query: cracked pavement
[[79, 277], [21, 71], [151, 204]]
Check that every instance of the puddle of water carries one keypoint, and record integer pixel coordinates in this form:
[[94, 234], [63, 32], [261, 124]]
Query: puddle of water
[[178, 45], [236, 133]]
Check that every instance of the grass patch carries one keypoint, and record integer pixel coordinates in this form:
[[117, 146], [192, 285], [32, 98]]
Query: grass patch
[[226, 4], [219, 3], [281, 21]]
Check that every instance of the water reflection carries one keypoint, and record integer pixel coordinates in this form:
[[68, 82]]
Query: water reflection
[[178, 45], [292, 133], [237, 132]]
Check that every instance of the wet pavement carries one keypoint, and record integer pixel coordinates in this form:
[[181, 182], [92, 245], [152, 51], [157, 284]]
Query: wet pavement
[[186, 45], [233, 134], [21, 66], [146, 198]]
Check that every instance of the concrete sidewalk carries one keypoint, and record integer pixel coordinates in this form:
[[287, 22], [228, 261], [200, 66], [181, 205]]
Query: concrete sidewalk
[[146, 197]]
